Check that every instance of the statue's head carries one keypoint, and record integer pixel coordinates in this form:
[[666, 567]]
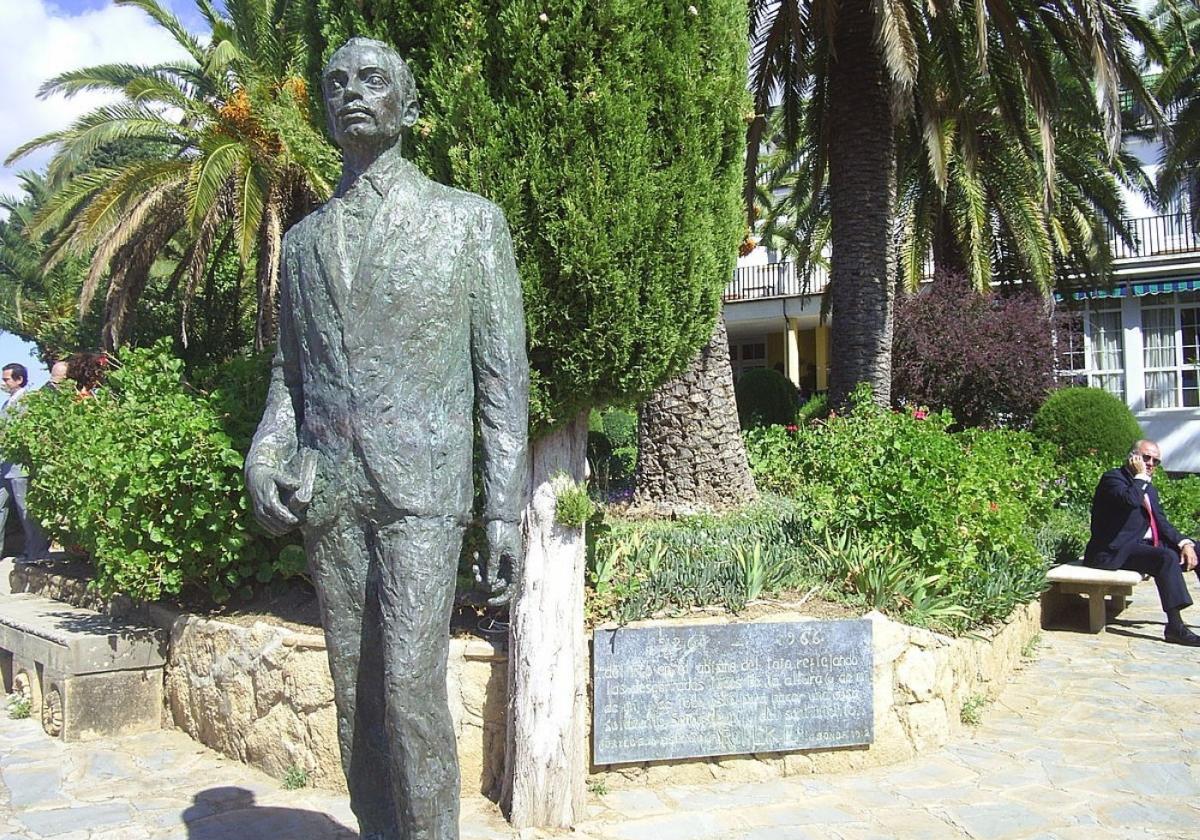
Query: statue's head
[[370, 95]]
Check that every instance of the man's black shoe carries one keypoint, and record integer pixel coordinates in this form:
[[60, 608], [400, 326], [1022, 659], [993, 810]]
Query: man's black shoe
[[1182, 636]]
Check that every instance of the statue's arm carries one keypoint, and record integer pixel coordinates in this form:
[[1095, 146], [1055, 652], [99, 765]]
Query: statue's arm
[[275, 440], [502, 394]]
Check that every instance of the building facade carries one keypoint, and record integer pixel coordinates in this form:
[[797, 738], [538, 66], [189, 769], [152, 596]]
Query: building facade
[[1139, 340]]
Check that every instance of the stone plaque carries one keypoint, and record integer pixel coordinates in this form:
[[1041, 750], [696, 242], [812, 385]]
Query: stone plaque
[[686, 692]]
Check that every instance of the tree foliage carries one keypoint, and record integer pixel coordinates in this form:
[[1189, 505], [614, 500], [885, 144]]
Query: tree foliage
[[1179, 89], [841, 73], [215, 152], [39, 306], [986, 358], [611, 134]]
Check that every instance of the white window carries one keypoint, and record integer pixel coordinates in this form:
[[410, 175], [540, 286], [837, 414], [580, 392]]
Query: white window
[[1171, 336], [1091, 350], [747, 355]]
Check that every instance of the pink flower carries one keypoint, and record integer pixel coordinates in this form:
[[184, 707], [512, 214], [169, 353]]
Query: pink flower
[[920, 414], [792, 427]]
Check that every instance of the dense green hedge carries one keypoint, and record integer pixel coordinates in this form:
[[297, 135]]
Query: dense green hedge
[[1084, 422], [612, 134], [144, 477], [765, 397]]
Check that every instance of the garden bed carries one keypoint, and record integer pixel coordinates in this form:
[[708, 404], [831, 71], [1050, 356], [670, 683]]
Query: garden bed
[[258, 690]]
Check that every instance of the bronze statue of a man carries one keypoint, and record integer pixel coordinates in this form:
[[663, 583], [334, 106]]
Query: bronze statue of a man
[[400, 318]]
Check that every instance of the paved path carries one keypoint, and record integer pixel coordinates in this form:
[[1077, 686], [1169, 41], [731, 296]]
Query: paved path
[[1097, 738]]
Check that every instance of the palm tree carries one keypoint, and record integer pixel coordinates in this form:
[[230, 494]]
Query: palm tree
[[1178, 87], [39, 306], [225, 142], [846, 71], [985, 204]]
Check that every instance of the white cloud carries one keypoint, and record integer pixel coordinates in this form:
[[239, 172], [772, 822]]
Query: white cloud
[[39, 40]]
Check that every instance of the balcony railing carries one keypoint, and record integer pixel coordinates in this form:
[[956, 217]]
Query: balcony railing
[[1170, 235], [777, 279], [1155, 236]]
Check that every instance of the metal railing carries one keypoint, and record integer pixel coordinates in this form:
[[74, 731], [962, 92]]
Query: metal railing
[[1169, 235], [777, 279], [1154, 236]]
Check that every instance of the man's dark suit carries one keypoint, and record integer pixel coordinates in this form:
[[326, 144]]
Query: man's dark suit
[[1119, 526], [383, 351]]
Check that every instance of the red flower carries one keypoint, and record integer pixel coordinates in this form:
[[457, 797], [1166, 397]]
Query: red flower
[[792, 427], [920, 414]]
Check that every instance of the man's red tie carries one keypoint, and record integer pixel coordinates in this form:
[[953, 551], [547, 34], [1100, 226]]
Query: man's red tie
[[1153, 524]]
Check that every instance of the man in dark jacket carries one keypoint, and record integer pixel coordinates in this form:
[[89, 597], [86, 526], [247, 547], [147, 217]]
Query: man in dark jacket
[[1130, 531]]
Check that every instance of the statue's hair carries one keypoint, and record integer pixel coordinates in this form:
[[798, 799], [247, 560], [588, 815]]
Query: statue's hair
[[399, 65]]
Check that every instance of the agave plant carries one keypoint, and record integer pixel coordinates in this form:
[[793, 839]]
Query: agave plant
[[220, 148]]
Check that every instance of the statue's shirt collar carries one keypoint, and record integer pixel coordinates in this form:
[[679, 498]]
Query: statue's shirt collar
[[380, 175]]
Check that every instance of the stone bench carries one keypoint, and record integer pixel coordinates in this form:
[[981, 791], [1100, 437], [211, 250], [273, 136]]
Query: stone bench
[[1097, 585], [84, 674]]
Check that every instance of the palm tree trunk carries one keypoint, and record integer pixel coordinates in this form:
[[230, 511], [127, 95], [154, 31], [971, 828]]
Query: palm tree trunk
[[948, 257], [270, 246], [862, 169], [690, 451]]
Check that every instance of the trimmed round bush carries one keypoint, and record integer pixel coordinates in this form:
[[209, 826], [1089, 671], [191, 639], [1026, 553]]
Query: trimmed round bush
[[1087, 422], [765, 397]]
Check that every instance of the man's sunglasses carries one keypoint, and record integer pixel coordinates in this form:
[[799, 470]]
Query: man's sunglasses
[[1151, 461]]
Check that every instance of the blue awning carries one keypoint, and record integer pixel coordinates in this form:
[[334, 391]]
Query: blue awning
[[1158, 287]]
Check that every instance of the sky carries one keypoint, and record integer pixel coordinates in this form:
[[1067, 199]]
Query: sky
[[42, 38]]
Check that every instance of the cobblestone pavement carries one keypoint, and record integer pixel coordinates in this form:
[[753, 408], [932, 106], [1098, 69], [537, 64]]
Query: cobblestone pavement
[[1099, 737]]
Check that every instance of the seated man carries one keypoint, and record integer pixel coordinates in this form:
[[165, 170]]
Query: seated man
[[1130, 531]]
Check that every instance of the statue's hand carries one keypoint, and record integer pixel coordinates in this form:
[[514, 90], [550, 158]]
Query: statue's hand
[[502, 571], [264, 484]]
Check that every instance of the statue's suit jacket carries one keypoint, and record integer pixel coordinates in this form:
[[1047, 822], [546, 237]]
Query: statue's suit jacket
[[384, 367]]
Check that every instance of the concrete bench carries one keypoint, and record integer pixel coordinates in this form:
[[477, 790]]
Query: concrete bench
[[84, 674], [1096, 584]]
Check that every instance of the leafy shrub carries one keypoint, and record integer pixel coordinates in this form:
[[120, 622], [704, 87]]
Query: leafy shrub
[[1180, 499], [640, 568], [963, 507], [815, 407], [1087, 422], [612, 447], [1064, 534], [1076, 480], [765, 397], [143, 476], [237, 391], [987, 359]]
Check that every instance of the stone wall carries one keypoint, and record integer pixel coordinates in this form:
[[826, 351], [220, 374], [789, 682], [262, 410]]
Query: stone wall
[[262, 694], [922, 679]]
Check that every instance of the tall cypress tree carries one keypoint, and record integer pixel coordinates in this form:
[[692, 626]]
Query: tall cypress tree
[[611, 132]]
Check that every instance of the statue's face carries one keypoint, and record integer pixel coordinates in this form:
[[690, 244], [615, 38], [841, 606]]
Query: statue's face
[[367, 104]]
